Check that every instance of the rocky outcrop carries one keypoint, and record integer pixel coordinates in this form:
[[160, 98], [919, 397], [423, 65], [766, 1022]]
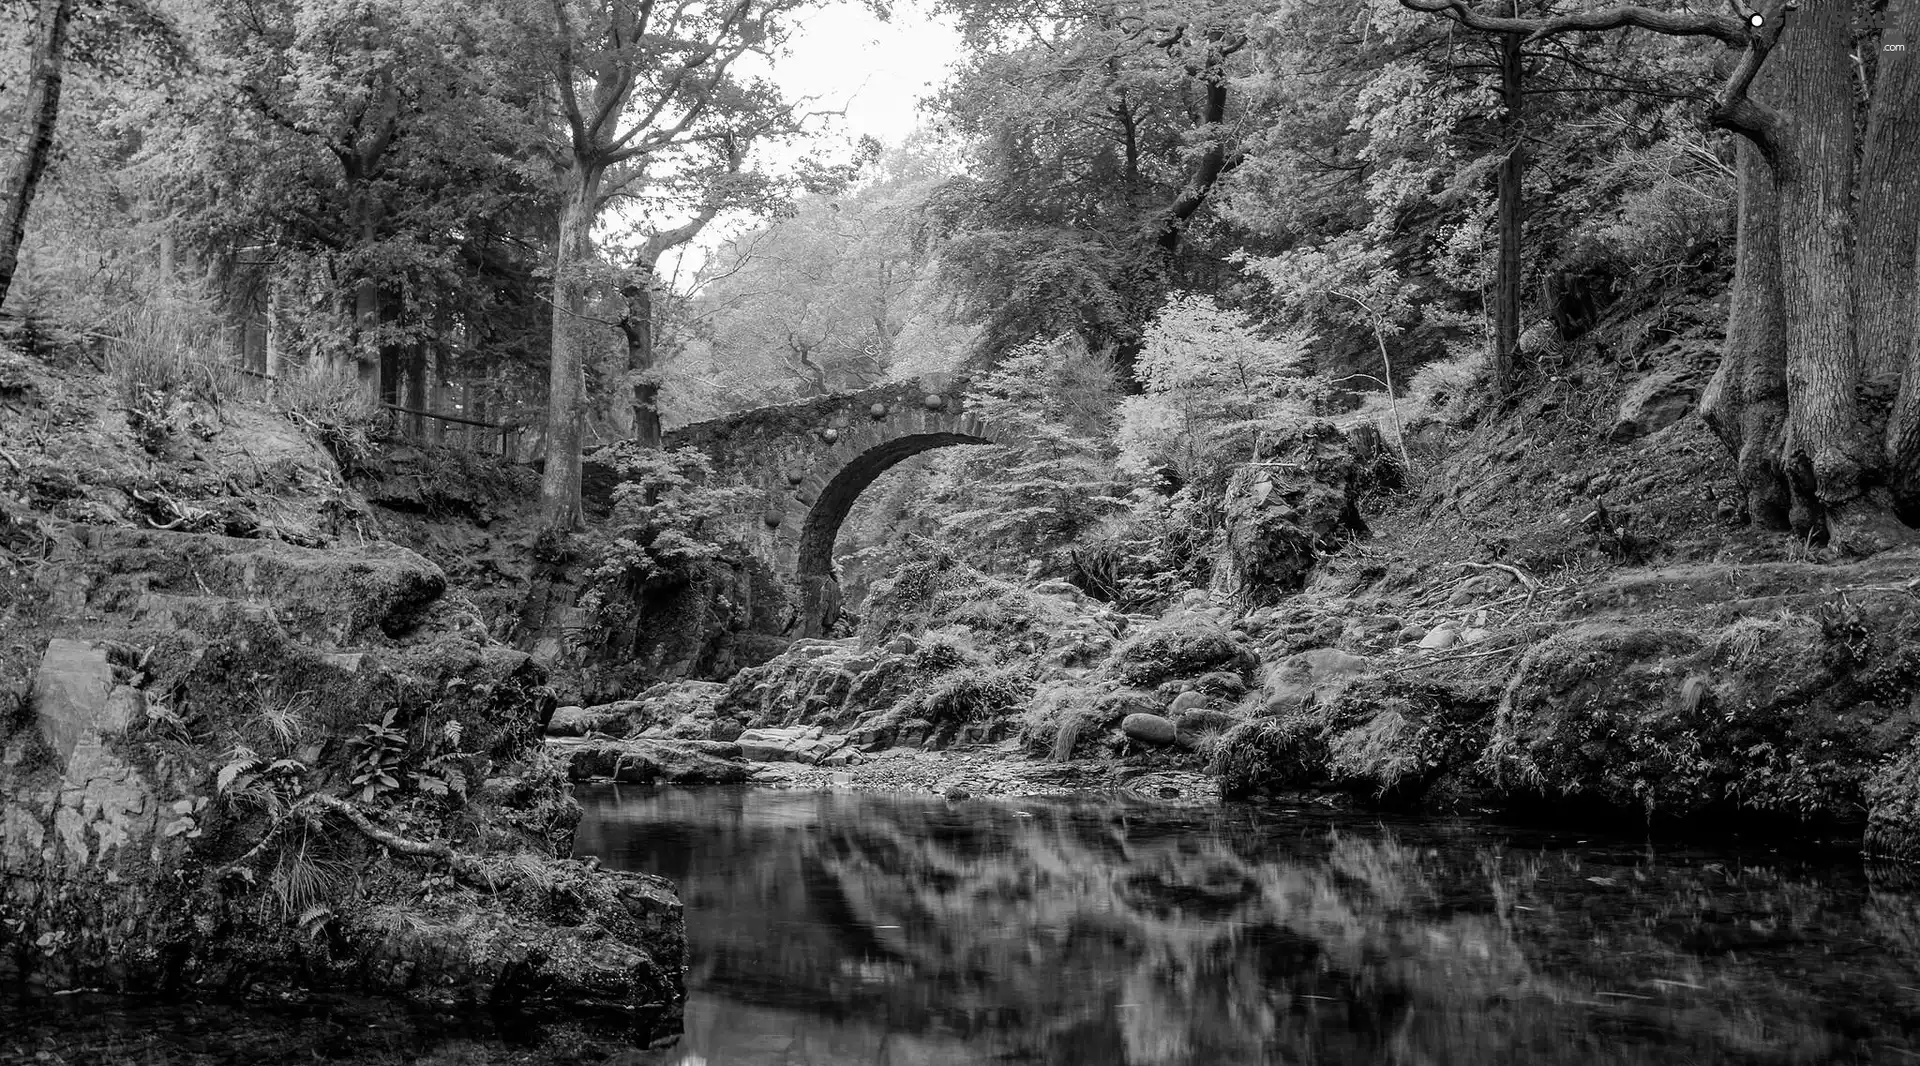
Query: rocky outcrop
[[807, 744], [653, 762], [137, 859], [238, 761], [1795, 701], [1653, 403]]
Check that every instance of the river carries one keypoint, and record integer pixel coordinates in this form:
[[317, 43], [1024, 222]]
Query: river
[[845, 928]]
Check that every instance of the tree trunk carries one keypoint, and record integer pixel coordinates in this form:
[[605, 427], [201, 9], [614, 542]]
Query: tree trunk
[[566, 388], [39, 108], [1506, 298], [638, 327], [467, 406], [276, 338], [366, 354], [1828, 468], [416, 391], [434, 374], [1746, 403], [1890, 256]]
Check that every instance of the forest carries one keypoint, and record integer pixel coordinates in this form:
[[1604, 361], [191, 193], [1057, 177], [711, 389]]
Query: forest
[[410, 408]]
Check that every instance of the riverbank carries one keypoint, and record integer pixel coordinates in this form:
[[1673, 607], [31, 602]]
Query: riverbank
[[249, 748], [1777, 693]]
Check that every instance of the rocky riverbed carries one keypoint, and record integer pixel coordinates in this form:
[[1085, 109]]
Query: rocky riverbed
[[1784, 693]]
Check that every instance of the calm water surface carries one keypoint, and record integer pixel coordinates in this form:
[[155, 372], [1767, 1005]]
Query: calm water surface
[[842, 928], [833, 928]]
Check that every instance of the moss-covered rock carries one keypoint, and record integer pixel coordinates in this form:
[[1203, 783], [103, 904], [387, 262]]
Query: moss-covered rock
[[1786, 714], [1281, 519], [1180, 650], [332, 596]]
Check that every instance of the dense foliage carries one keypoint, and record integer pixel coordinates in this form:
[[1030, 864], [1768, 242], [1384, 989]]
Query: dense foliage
[[1157, 233]]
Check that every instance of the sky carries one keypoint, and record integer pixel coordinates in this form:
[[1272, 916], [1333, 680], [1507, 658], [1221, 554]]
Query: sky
[[844, 57], [878, 70]]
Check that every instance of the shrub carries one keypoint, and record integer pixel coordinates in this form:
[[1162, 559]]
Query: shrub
[[1268, 755], [157, 348], [971, 695], [669, 518], [328, 400]]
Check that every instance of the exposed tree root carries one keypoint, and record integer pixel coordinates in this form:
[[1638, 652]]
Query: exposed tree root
[[466, 868], [1424, 663]]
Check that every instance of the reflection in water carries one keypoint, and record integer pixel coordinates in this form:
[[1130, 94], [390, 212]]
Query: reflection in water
[[843, 929], [102, 1030]]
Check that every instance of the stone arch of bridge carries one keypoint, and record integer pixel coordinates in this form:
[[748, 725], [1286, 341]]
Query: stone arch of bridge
[[820, 530], [815, 457]]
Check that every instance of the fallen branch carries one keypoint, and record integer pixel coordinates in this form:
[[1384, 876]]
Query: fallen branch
[[10, 460], [1526, 581], [183, 514]]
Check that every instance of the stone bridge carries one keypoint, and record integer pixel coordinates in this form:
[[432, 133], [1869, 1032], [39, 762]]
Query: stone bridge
[[814, 457]]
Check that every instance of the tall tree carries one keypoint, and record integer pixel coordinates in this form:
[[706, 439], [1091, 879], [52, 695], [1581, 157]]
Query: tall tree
[[643, 92], [33, 140], [1102, 133], [374, 152], [1848, 459]]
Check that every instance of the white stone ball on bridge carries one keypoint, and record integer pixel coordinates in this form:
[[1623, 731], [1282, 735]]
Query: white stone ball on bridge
[[831, 434], [934, 401], [878, 410]]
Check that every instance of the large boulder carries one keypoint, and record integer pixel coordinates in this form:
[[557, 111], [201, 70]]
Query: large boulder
[[1596, 712], [1788, 713], [1282, 516], [1148, 729], [75, 696], [616, 718], [1180, 650], [1310, 677]]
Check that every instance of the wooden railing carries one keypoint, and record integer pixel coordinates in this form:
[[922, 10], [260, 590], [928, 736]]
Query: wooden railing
[[410, 425], [506, 432]]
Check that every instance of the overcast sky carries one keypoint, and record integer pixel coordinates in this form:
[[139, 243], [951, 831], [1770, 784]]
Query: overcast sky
[[879, 70]]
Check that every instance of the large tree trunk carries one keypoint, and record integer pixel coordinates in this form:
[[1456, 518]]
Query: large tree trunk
[[366, 304], [638, 327], [1506, 297], [1746, 403], [1889, 268], [566, 389], [33, 146], [1829, 468]]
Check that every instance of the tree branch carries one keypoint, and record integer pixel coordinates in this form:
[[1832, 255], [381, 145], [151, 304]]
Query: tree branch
[[1753, 32], [1674, 24]]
